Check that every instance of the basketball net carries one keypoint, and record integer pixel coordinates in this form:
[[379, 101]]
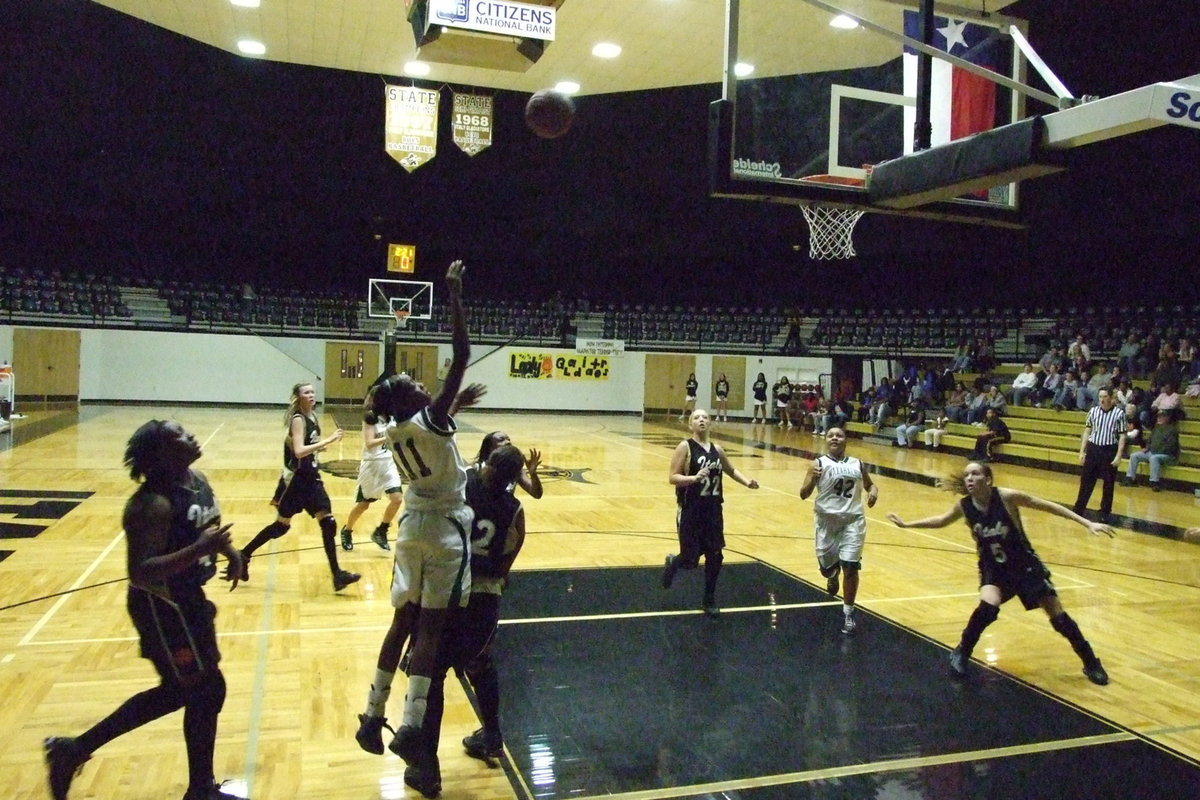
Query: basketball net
[[831, 231], [401, 318]]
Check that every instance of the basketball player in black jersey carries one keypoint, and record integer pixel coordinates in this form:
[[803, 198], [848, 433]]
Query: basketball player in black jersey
[[1008, 565], [497, 534], [300, 487], [173, 531], [696, 470]]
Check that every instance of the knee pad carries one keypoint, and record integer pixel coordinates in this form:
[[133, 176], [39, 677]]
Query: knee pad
[[851, 565], [328, 526]]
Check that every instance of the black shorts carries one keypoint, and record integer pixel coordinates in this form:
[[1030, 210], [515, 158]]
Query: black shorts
[[180, 639], [701, 530], [303, 492], [469, 631], [1030, 582]]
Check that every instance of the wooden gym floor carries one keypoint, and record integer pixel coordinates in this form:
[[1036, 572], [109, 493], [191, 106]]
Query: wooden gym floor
[[611, 685]]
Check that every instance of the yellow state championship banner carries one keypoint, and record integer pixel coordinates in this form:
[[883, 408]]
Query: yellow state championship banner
[[471, 122], [539, 365], [410, 125]]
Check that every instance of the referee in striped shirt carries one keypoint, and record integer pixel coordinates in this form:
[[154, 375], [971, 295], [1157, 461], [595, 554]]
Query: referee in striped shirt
[[1100, 451]]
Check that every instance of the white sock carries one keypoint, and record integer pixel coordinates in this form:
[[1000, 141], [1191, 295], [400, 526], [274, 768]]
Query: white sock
[[416, 699], [381, 689], [847, 610]]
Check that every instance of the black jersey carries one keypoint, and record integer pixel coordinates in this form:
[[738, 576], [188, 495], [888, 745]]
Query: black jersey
[[722, 388], [312, 435], [708, 490], [193, 508], [691, 387], [494, 515], [999, 539], [760, 391]]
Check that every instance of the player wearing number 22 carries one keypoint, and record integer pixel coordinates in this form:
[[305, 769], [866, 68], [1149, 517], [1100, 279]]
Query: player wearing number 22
[[1008, 565], [839, 522], [696, 470]]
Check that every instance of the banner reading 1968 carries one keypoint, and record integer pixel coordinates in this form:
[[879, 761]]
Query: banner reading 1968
[[471, 123], [410, 125], [535, 365]]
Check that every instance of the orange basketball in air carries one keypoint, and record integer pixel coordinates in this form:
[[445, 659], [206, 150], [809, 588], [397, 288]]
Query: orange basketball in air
[[549, 114]]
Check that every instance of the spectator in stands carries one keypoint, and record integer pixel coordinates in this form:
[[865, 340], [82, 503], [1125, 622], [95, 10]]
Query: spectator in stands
[[1049, 387], [934, 433], [913, 424], [866, 399], [991, 399], [976, 408], [819, 415], [962, 356], [985, 355], [1053, 357], [1168, 369], [1123, 393], [810, 404], [944, 386], [1135, 435], [796, 412], [1079, 354], [1024, 385], [838, 415], [995, 432], [884, 405], [1065, 397], [1127, 356], [1089, 393], [1161, 450], [1167, 400], [956, 403], [1193, 389], [1186, 355]]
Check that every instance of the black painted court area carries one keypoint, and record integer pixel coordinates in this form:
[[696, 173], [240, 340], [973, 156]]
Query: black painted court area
[[777, 703]]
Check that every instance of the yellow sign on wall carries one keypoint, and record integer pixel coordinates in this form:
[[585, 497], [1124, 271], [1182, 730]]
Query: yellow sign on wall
[[540, 365], [402, 258]]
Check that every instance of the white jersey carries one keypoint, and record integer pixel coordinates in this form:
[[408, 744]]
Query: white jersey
[[429, 462], [379, 452], [839, 489]]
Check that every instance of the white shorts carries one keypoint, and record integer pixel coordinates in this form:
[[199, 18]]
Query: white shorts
[[839, 538], [376, 477], [432, 564], [760, 403]]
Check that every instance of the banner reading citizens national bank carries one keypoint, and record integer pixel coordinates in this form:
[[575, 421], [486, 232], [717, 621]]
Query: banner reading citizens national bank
[[495, 16]]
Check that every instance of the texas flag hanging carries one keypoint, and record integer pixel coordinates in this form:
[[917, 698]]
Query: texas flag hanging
[[961, 103]]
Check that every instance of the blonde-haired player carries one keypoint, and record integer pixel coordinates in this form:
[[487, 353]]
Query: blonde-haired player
[[839, 522]]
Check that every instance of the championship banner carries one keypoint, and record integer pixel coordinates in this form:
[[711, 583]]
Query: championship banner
[[537, 366], [599, 347], [472, 122], [410, 125]]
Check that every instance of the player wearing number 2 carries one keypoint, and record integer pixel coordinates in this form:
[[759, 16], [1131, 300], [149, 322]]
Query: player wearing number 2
[[696, 470], [431, 565], [840, 523], [1008, 565]]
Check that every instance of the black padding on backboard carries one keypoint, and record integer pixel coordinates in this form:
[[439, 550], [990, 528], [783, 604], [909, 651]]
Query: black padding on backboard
[[1012, 152]]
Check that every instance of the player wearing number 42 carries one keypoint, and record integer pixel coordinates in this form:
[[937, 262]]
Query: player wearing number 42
[[1008, 565], [696, 470], [839, 523]]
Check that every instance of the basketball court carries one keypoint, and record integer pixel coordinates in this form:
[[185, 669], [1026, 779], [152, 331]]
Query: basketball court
[[611, 686]]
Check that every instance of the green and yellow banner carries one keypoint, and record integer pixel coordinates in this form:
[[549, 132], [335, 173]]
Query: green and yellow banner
[[410, 125], [471, 122], [542, 366]]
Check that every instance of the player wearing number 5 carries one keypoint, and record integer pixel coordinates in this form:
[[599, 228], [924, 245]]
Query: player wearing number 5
[[431, 566], [696, 470], [839, 522], [1008, 565]]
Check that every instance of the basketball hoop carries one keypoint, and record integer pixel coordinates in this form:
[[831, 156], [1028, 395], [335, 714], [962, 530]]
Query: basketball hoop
[[401, 317], [831, 231]]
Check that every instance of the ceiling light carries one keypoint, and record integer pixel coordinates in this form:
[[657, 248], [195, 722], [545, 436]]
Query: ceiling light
[[566, 87], [742, 69], [606, 50], [416, 68], [251, 48], [244, 3], [843, 22]]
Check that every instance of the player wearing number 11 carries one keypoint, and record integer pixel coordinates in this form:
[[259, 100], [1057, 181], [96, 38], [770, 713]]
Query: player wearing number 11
[[1008, 565], [839, 523], [431, 566]]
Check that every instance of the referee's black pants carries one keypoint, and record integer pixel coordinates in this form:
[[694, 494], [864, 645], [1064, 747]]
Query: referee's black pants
[[1097, 464]]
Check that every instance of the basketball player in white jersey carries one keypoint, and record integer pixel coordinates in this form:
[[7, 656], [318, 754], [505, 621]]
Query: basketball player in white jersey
[[839, 522]]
